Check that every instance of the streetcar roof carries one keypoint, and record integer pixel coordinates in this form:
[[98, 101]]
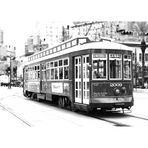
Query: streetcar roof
[[79, 47], [107, 45]]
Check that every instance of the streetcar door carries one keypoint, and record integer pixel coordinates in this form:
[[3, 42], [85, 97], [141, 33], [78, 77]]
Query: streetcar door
[[85, 79], [81, 75]]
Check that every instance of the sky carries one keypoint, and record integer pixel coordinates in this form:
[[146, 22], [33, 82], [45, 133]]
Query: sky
[[18, 18]]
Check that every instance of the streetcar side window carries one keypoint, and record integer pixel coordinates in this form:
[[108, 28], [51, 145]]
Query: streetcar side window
[[36, 72], [51, 72], [99, 66], [115, 66], [127, 67], [66, 69], [61, 69], [47, 71], [44, 71], [26, 73], [57, 70], [33, 72]]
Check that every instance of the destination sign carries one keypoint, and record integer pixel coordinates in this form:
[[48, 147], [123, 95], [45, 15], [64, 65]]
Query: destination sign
[[98, 55], [115, 55]]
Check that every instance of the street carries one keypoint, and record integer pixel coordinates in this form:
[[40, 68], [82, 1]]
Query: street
[[36, 122]]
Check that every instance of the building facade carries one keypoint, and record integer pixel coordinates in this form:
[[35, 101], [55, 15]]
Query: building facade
[[1, 37]]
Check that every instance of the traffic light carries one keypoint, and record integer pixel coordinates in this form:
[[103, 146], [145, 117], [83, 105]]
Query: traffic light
[[15, 71], [7, 70]]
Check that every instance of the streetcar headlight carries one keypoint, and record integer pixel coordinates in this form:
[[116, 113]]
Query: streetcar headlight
[[117, 91]]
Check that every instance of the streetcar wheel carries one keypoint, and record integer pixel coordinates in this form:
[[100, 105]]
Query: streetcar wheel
[[92, 110], [31, 97], [60, 102], [73, 107], [34, 96], [38, 99], [28, 95]]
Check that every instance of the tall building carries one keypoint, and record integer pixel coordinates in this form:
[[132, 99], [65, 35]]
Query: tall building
[[1, 37], [2, 47], [98, 29], [34, 44], [53, 32], [3, 51]]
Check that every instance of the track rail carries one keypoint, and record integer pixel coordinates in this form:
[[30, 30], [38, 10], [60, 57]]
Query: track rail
[[15, 115], [120, 115], [117, 119], [115, 123], [137, 117]]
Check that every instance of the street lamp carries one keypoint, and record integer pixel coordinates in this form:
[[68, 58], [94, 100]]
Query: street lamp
[[9, 86], [11, 58], [143, 47]]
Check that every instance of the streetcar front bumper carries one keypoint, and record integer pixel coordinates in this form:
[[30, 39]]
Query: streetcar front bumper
[[112, 102]]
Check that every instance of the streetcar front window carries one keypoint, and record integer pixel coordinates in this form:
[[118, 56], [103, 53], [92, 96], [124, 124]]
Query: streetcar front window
[[127, 67], [115, 66], [99, 66]]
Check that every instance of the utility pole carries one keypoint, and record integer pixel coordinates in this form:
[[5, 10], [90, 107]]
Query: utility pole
[[9, 86], [143, 47], [10, 56], [136, 76]]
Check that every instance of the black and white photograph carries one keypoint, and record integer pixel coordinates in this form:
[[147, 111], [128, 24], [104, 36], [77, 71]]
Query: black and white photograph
[[73, 74]]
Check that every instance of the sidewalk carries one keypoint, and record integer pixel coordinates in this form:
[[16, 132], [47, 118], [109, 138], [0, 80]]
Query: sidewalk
[[140, 90]]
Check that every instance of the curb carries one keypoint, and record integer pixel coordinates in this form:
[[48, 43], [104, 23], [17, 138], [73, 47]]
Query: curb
[[140, 90]]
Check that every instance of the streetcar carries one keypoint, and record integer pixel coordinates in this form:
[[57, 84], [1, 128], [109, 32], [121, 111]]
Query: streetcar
[[81, 74]]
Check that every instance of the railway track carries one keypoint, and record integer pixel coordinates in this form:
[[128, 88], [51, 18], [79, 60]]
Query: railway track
[[115, 118], [15, 115], [121, 119]]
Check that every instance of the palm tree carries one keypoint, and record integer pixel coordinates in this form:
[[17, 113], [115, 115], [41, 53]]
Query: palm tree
[[141, 28]]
